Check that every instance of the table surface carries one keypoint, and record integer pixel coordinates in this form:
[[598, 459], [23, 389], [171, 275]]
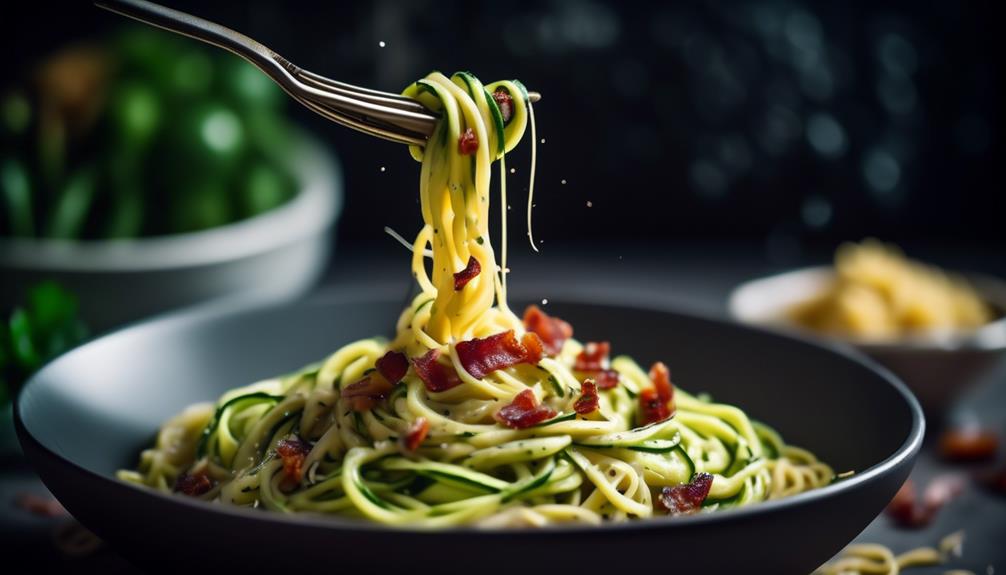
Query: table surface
[[692, 276]]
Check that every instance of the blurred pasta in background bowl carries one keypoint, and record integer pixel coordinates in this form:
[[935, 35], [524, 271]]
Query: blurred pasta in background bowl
[[146, 173], [937, 329]]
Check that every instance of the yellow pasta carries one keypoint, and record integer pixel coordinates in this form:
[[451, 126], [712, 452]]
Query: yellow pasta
[[878, 294]]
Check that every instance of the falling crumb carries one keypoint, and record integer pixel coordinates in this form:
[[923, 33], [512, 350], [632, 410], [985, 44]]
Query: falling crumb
[[381, 44], [544, 301], [509, 207], [543, 140], [513, 170], [590, 204], [563, 182], [619, 257], [383, 168]]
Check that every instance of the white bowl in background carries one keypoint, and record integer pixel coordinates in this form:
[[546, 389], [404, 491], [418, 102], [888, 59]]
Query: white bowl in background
[[936, 365], [276, 255]]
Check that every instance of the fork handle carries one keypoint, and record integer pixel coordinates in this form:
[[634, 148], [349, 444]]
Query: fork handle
[[277, 67]]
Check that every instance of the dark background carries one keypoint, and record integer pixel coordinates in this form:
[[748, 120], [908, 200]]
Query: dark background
[[766, 122]]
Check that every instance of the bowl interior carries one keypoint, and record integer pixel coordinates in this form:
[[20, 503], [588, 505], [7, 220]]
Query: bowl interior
[[90, 412]]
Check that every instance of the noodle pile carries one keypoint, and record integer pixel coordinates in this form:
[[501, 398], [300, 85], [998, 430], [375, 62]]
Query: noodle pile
[[421, 455]]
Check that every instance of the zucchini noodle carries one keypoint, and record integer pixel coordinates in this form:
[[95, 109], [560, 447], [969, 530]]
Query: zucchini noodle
[[469, 469], [874, 559]]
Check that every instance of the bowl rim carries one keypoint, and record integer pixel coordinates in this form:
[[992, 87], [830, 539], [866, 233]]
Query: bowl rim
[[314, 208], [576, 295], [990, 337]]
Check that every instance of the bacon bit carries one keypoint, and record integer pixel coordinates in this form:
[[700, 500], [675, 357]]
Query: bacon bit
[[436, 377], [366, 393], [193, 484], [416, 434], [607, 379], [902, 508], [468, 143], [41, 506], [524, 411], [505, 103], [587, 402], [968, 444], [661, 378], [471, 271], [553, 331], [594, 357], [905, 510], [481, 357], [292, 452], [688, 497], [392, 366], [651, 408]]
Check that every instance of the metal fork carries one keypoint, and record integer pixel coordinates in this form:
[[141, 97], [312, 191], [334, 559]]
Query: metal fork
[[382, 114]]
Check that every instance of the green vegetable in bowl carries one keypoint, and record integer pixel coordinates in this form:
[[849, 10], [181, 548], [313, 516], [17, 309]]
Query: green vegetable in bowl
[[32, 334], [143, 134]]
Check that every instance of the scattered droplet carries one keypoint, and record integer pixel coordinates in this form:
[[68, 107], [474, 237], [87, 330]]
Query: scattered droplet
[[543, 140], [590, 204], [563, 182], [544, 301], [513, 170], [383, 168], [509, 207], [381, 44]]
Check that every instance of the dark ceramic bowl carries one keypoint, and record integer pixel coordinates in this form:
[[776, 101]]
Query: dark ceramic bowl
[[91, 411]]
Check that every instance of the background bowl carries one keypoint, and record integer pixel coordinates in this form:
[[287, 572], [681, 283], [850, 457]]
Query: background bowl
[[91, 411], [936, 367], [278, 254]]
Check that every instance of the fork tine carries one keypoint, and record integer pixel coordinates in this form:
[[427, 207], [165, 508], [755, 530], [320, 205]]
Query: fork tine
[[376, 96], [368, 126]]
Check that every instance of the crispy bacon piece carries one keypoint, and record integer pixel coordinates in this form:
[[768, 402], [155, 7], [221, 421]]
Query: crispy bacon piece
[[657, 403], [505, 103], [968, 444], [687, 497], [193, 484], [651, 408], [606, 379], [471, 271], [392, 366], [415, 434], [907, 511], [587, 402], [594, 357], [553, 331], [902, 508], [661, 378], [481, 357], [524, 411], [468, 143], [293, 452], [436, 377], [363, 395]]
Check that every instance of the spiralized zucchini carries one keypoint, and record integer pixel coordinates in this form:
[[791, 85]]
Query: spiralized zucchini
[[469, 469]]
